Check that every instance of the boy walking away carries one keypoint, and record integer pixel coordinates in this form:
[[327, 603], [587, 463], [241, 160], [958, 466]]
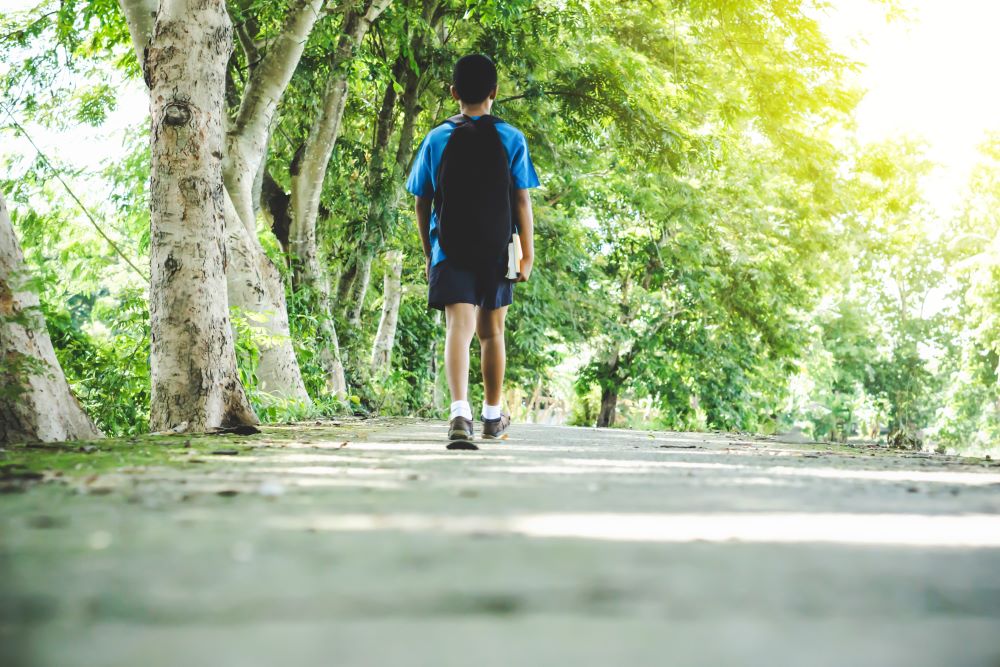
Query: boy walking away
[[471, 178]]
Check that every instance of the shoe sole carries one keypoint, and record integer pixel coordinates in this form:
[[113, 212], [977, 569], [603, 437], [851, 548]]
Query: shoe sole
[[498, 436], [461, 444]]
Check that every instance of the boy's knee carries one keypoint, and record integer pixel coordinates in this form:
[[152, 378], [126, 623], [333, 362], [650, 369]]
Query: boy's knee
[[460, 322], [489, 330]]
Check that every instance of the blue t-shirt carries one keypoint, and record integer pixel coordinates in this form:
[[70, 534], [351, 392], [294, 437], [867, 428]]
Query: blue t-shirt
[[422, 181]]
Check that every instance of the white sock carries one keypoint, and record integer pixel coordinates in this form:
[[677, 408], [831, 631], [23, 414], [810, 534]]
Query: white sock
[[491, 411], [461, 409]]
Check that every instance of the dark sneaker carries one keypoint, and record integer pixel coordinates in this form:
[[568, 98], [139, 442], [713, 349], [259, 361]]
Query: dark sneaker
[[496, 428], [460, 428]]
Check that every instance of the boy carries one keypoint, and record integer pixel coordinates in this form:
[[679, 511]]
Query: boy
[[471, 193]]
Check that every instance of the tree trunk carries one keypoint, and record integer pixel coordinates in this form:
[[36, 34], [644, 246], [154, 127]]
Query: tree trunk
[[609, 404], [392, 183], [276, 204], [35, 401], [345, 281], [385, 185], [247, 137], [254, 284], [354, 282], [308, 175], [392, 295], [309, 172], [195, 385], [609, 389], [438, 392], [359, 291]]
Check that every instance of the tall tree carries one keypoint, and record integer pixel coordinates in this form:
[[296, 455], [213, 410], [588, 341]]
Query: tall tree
[[392, 295], [35, 401], [416, 65], [247, 137], [308, 173], [253, 282], [195, 385]]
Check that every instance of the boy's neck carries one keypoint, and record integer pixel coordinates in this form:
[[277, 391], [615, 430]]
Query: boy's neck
[[481, 109]]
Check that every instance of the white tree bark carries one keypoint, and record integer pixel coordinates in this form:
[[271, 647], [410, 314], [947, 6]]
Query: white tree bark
[[195, 385], [254, 283], [392, 294], [246, 139], [35, 401], [359, 291], [140, 15], [385, 188], [437, 363], [308, 176], [307, 180]]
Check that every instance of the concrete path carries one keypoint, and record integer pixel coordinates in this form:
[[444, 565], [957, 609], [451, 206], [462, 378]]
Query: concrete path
[[370, 544]]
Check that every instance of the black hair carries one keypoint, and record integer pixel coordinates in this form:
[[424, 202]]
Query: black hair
[[474, 78]]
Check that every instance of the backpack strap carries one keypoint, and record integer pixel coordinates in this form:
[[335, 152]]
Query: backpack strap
[[462, 119]]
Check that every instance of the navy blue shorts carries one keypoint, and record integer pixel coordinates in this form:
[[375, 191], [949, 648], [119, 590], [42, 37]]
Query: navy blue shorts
[[450, 284]]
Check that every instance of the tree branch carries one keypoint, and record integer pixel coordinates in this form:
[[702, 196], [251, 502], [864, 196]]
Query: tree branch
[[140, 15], [269, 79], [565, 93], [58, 175], [249, 46], [323, 133], [21, 31]]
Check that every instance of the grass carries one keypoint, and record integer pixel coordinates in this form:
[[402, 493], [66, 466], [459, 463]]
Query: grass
[[97, 456], [24, 462]]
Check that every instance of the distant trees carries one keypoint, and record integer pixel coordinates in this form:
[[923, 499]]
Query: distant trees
[[969, 412]]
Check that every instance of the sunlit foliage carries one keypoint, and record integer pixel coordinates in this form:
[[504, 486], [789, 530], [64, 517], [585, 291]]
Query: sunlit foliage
[[714, 251]]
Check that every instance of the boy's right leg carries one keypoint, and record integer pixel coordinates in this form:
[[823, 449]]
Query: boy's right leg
[[460, 321], [490, 329]]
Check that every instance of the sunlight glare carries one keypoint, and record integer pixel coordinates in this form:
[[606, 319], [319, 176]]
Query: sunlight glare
[[910, 530]]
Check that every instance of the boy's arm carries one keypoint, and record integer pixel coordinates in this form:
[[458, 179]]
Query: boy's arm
[[526, 230], [423, 209]]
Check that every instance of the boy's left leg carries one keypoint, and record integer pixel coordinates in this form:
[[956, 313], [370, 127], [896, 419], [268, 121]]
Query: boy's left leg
[[493, 355], [460, 319]]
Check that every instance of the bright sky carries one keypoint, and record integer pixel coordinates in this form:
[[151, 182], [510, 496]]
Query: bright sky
[[931, 76]]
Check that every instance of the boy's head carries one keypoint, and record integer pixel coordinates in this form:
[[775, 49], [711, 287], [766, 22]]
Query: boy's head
[[474, 79]]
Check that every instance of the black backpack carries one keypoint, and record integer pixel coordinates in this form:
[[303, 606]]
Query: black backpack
[[473, 195]]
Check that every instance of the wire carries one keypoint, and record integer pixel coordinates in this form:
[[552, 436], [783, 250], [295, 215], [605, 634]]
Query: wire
[[79, 203]]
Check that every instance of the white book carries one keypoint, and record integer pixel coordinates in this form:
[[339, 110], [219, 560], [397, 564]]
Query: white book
[[514, 254]]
